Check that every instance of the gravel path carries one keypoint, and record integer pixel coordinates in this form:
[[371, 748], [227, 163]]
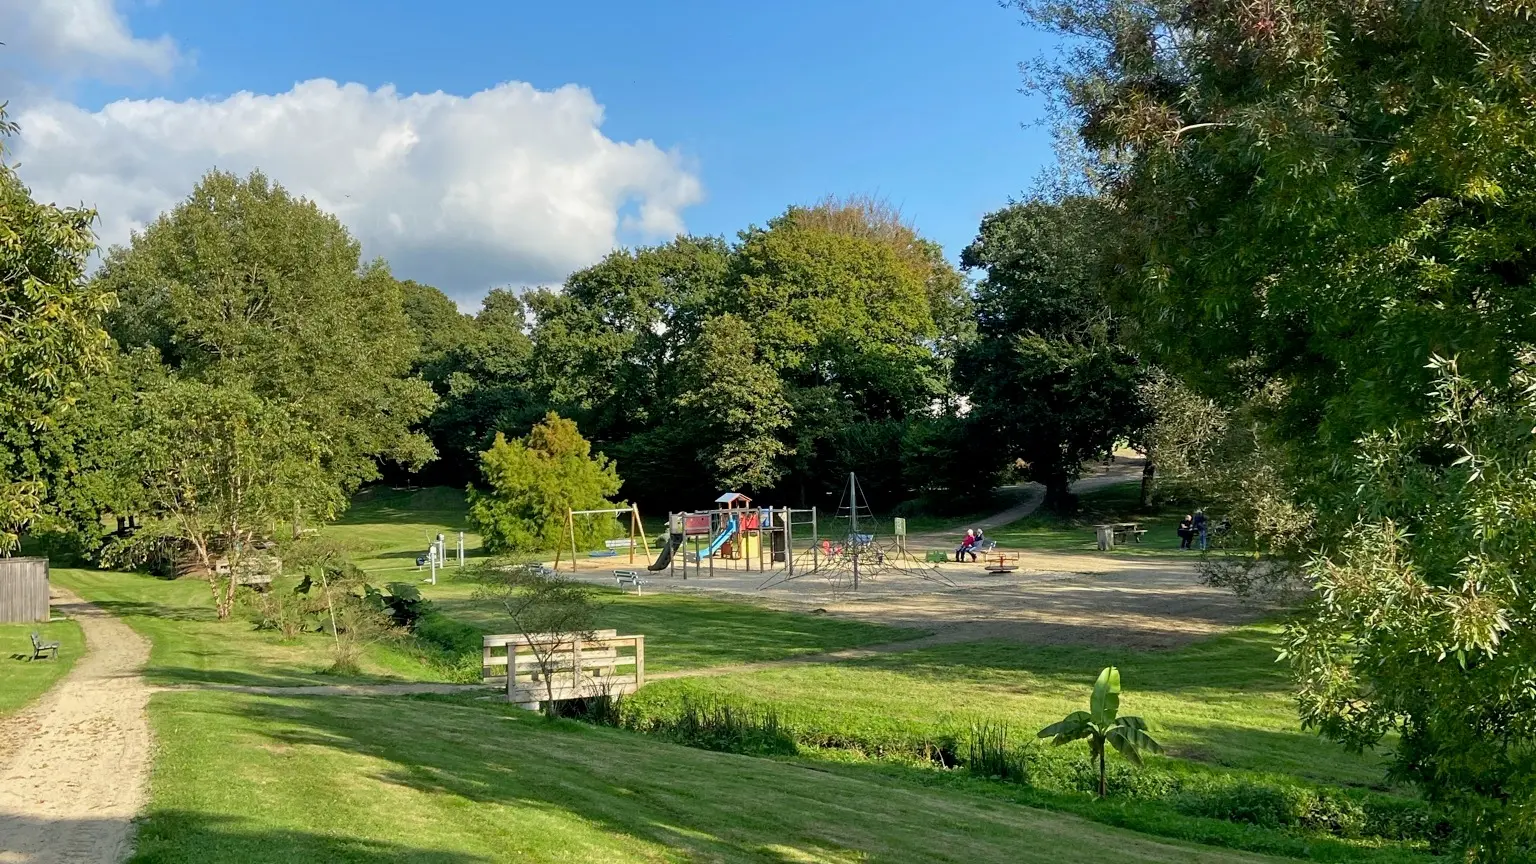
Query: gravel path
[[1127, 466], [73, 774]]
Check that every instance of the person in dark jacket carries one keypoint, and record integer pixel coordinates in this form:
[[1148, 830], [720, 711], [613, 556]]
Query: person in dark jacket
[[1186, 531], [1201, 526]]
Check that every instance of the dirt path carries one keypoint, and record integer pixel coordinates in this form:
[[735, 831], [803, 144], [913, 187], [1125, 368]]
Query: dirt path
[[1127, 466], [73, 772]]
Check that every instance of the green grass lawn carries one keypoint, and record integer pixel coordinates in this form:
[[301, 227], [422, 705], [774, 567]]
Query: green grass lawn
[[1222, 702], [687, 631], [1119, 503], [387, 529], [22, 680], [190, 644], [261, 779]]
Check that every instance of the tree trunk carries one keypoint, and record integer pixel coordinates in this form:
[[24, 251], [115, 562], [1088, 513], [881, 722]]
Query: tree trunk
[[1058, 494], [1148, 472], [1103, 787]]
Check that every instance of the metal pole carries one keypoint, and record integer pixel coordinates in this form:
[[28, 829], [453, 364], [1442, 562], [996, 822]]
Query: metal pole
[[853, 523], [789, 540], [815, 543]]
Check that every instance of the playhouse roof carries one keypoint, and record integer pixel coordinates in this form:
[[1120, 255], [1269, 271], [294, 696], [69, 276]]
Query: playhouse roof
[[732, 498]]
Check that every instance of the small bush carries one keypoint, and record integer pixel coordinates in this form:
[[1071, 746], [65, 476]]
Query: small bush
[[284, 611], [988, 754], [712, 725]]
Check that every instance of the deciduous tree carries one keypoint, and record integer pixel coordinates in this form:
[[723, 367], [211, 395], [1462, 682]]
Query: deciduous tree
[[1332, 215]]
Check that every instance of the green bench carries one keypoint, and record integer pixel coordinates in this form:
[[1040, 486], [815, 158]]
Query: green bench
[[40, 648]]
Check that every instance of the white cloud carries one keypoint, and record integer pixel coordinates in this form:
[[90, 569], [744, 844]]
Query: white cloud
[[79, 38], [511, 185]]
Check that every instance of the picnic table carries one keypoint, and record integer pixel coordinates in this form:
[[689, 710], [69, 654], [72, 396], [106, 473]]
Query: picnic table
[[1113, 534]]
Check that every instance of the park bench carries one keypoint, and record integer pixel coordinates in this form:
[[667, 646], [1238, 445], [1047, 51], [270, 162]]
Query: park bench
[[629, 579], [39, 648]]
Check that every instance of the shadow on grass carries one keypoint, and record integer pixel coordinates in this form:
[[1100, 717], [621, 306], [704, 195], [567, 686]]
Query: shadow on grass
[[177, 676], [705, 805], [124, 608], [717, 806], [1294, 753], [180, 835], [1240, 660]]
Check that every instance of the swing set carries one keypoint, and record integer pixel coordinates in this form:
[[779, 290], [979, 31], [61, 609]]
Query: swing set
[[635, 530]]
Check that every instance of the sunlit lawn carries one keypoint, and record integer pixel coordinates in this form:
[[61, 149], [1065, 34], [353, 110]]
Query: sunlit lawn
[[1223, 701], [22, 679], [192, 646], [261, 779]]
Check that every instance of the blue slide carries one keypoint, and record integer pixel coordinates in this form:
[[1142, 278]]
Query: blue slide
[[725, 534]]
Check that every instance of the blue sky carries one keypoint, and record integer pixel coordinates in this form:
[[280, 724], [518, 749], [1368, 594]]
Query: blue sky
[[765, 104]]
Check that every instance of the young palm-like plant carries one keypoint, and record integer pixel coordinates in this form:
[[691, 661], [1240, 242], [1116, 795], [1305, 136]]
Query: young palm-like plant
[[1102, 723]]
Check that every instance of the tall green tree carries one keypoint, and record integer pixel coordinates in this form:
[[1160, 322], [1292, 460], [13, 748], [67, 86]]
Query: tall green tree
[[736, 407], [483, 379], [1049, 382], [530, 484], [51, 333], [244, 284], [218, 465], [1331, 209]]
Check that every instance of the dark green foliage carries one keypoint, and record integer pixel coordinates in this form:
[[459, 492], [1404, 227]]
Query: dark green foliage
[[403, 602], [713, 725], [1326, 219], [51, 343], [1049, 382]]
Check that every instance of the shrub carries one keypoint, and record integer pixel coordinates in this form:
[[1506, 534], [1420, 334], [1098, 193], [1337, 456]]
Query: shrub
[[285, 611], [712, 725], [988, 754]]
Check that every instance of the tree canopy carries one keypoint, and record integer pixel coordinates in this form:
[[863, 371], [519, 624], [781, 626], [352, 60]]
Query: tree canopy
[[1329, 209], [51, 337], [530, 484], [242, 283]]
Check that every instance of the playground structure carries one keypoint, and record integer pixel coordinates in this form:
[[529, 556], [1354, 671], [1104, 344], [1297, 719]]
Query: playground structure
[[858, 550], [736, 535]]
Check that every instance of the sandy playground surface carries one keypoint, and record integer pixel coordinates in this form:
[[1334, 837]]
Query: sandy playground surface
[[1053, 598]]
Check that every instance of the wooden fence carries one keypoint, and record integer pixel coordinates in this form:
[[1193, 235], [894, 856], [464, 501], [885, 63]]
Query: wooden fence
[[601, 663], [23, 590]]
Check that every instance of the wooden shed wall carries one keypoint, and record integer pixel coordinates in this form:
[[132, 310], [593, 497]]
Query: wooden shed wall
[[23, 590]]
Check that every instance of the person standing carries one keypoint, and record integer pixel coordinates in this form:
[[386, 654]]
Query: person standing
[[1201, 524], [1186, 531]]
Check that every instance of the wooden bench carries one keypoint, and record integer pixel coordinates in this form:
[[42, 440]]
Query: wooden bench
[[39, 648], [564, 666], [629, 579]]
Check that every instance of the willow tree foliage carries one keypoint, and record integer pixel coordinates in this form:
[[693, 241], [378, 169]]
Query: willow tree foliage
[[1330, 221]]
